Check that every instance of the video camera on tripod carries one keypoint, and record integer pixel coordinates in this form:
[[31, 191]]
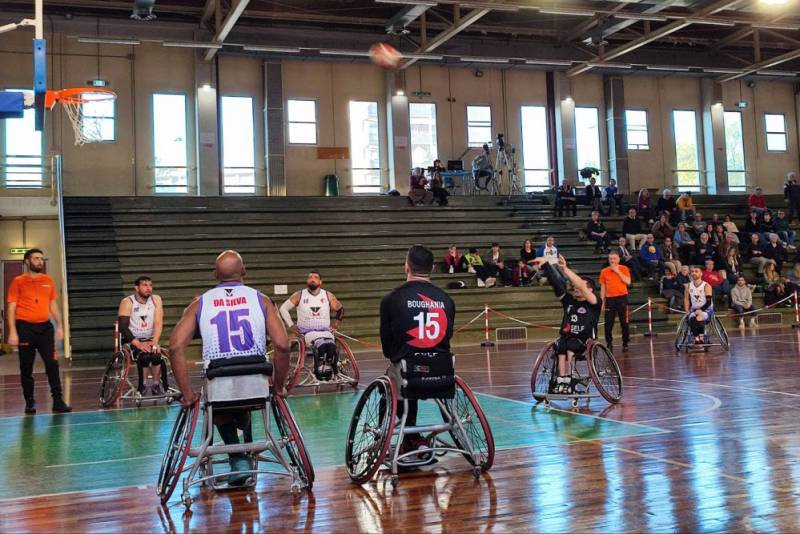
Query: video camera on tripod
[[506, 166]]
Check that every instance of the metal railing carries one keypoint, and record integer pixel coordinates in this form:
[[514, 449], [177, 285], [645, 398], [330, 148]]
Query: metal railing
[[31, 173]]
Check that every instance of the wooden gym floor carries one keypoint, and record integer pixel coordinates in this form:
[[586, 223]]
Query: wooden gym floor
[[707, 441]]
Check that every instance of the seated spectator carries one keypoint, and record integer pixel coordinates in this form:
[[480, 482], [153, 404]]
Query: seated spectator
[[730, 226], [757, 201], [704, 251], [521, 274], [774, 251], [565, 198], [718, 235], [684, 277], [685, 243], [767, 226], [715, 220], [672, 289], [697, 226], [742, 301], [753, 226], [438, 190], [482, 168], [670, 256], [793, 282], [666, 204], [528, 255], [627, 259], [612, 197], [774, 285], [475, 265], [644, 205], [596, 231], [732, 263], [685, 206], [720, 287], [650, 257], [417, 194], [493, 255], [785, 233], [731, 241], [454, 262], [632, 229], [501, 273], [792, 189], [594, 195], [662, 229], [549, 251], [755, 254]]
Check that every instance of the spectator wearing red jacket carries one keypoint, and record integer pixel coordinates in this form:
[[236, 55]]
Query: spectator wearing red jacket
[[454, 262], [716, 279], [757, 201]]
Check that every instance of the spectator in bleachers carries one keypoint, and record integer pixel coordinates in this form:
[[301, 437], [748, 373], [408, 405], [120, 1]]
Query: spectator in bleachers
[[632, 229], [697, 225], [752, 225], [670, 256], [792, 194], [729, 243], [438, 190], [549, 251], [593, 194], [476, 266], [685, 242], [718, 235], [730, 226], [774, 251], [493, 255], [774, 285], [596, 231], [482, 168], [528, 255], [755, 254], [684, 276], [662, 229], [627, 259], [454, 262], [720, 287], [685, 206], [650, 257], [767, 226], [501, 272], [565, 198], [666, 204], [715, 220], [521, 274], [785, 233], [703, 251], [417, 194], [672, 289], [742, 301], [612, 197], [757, 202], [793, 281], [644, 205], [732, 263]]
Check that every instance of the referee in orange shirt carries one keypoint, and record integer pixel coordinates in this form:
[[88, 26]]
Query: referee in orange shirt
[[614, 282], [31, 303]]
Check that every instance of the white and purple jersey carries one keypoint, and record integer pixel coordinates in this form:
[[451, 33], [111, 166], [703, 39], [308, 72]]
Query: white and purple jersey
[[232, 322], [314, 312]]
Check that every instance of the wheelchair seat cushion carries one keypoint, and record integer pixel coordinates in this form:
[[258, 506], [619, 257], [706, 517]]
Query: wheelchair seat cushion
[[429, 376], [239, 366]]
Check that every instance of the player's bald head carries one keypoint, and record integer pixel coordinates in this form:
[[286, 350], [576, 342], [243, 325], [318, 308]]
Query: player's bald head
[[229, 267]]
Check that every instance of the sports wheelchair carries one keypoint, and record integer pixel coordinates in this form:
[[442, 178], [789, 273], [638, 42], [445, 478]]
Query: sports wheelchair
[[301, 365], [234, 387], [715, 336], [595, 367], [375, 436], [117, 384]]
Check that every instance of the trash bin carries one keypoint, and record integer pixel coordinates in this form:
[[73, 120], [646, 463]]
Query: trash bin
[[331, 185]]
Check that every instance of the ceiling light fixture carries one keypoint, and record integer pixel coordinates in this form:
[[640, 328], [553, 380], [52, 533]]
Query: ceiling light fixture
[[109, 40], [430, 3], [556, 62], [711, 22], [337, 52], [567, 11], [639, 16], [191, 44], [470, 59], [276, 49]]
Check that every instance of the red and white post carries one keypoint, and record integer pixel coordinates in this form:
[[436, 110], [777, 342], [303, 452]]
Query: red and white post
[[650, 332], [116, 336], [796, 312], [486, 341]]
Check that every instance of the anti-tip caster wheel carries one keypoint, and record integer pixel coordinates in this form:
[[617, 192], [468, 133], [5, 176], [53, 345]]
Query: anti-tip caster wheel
[[394, 480], [295, 489], [546, 403], [476, 472], [187, 502], [574, 403]]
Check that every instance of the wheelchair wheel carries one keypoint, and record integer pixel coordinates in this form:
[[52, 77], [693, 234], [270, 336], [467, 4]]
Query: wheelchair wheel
[[180, 441], [682, 335], [542, 373], [605, 373], [295, 447], [114, 379], [722, 334], [478, 434], [347, 362], [297, 361], [371, 430]]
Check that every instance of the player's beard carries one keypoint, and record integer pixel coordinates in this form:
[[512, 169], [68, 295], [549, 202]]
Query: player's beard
[[36, 268], [312, 287]]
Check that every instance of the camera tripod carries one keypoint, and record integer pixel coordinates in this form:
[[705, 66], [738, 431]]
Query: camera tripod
[[505, 168]]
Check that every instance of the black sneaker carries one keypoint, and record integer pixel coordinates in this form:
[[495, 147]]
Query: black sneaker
[[59, 406], [624, 348], [30, 407]]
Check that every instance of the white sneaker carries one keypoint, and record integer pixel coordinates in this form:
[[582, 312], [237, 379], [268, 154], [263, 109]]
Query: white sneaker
[[491, 282], [753, 322], [471, 269], [481, 283], [741, 323]]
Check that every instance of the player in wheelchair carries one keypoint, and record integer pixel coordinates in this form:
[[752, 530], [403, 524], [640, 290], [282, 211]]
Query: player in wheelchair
[[416, 324], [700, 321], [234, 323]]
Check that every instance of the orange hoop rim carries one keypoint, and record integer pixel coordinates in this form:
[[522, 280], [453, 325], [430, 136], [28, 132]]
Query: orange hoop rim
[[75, 95]]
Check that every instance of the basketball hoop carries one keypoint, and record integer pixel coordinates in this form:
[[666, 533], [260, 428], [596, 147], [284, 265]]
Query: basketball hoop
[[73, 101]]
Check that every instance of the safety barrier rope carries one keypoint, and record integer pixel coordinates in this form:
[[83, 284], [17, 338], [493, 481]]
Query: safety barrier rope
[[727, 315]]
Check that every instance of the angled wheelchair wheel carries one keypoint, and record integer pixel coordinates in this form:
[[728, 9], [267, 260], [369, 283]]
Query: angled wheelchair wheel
[[476, 435], [542, 373], [719, 330], [347, 362], [114, 378], [605, 373], [180, 441], [297, 361], [681, 338], [294, 445], [371, 428]]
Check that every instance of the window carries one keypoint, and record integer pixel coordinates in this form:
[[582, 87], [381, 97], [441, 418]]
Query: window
[[23, 150], [535, 155], [684, 129], [587, 136], [302, 116], [479, 125], [238, 145], [636, 127], [734, 151], [365, 147], [169, 144], [98, 117], [424, 149], [775, 125]]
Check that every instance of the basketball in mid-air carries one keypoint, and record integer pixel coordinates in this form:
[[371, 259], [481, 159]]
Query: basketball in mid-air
[[385, 55]]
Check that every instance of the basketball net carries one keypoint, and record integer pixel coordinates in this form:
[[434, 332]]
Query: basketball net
[[74, 101]]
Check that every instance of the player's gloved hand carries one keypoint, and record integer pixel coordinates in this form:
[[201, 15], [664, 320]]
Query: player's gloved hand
[[188, 398]]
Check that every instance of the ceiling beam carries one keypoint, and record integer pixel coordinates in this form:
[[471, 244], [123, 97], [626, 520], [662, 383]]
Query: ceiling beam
[[208, 12], [461, 23], [761, 65], [654, 35], [227, 25], [404, 17]]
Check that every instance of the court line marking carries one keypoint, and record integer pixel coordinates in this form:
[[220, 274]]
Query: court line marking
[[713, 384], [57, 494], [105, 461]]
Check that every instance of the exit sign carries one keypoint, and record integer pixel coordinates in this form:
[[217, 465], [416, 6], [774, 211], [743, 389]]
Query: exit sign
[[421, 93], [18, 250]]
